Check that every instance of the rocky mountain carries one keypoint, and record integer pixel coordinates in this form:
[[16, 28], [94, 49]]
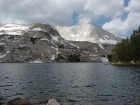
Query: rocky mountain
[[87, 32], [36, 43]]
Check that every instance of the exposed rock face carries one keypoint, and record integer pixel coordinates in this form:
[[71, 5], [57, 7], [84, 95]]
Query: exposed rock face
[[87, 32], [19, 101], [38, 43], [52, 102]]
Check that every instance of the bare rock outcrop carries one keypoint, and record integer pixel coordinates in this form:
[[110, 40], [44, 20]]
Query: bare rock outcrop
[[19, 101], [52, 102]]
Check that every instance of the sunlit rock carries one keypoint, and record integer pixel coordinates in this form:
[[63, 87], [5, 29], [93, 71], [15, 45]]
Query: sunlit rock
[[52, 102]]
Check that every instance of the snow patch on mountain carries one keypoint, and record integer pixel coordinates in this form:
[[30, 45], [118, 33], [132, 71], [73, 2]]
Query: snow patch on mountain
[[1, 56], [87, 32], [62, 43], [74, 45], [1, 43], [104, 59], [53, 57], [55, 38], [56, 49], [37, 29], [37, 61], [107, 41], [103, 48], [44, 39]]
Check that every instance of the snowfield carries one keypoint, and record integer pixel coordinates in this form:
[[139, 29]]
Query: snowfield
[[87, 32], [37, 29], [37, 61], [108, 41], [1, 56], [104, 59]]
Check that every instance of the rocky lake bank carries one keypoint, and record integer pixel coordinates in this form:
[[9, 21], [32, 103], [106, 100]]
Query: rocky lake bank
[[26, 101], [125, 63]]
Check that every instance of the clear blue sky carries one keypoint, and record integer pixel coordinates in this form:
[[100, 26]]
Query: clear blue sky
[[119, 17]]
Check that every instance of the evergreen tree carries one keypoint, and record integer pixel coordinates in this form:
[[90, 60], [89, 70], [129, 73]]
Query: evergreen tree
[[128, 49]]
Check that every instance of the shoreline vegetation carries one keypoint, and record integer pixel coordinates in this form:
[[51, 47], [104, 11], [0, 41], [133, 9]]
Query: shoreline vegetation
[[127, 52], [125, 63]]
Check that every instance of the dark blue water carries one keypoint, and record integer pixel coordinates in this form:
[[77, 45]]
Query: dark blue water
[[84, 83]]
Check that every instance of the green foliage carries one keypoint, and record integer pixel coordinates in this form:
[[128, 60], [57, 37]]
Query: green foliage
[[109, 58], [138, 61], [2, 48], [60, 46], [59, 57], [74, 58], [128, 49], [33, 40]]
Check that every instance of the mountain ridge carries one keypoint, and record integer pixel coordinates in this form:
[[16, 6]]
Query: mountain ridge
[[87, 32], [43, 43]]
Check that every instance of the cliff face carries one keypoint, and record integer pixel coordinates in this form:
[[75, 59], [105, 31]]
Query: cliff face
[[42, 43]]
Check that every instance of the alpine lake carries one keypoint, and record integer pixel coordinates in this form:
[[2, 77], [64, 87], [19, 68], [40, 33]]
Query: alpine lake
[[71, 83]]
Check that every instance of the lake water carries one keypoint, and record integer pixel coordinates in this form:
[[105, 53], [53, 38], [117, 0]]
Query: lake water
[[82, 83]]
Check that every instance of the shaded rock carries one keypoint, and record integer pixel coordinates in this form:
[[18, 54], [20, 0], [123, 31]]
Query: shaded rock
[[0, 103], [25, 101], [19, 101], [71, 100], [52, 102]]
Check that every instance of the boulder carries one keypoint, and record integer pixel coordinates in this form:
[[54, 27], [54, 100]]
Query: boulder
[[19, 101], [52, 102], [25, 101], [72, 100]]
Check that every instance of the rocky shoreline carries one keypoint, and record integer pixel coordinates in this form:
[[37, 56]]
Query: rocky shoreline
[[26, 101], [125, 63]]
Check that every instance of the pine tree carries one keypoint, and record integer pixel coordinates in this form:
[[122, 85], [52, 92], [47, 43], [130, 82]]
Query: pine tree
[[128, 49]]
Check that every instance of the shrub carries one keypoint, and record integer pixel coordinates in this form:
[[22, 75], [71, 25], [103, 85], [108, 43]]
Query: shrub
[[33, 40], [74, 58]]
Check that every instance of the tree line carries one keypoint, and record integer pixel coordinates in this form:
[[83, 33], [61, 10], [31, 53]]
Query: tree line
[[128, 49]]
